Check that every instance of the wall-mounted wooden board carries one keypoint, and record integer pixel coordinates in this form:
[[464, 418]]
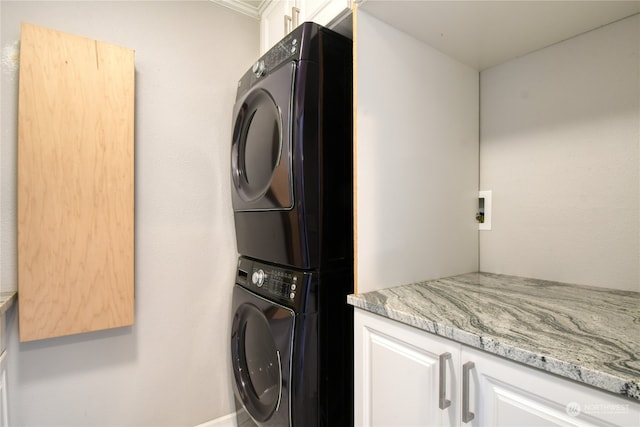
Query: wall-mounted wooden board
[[75, 185]]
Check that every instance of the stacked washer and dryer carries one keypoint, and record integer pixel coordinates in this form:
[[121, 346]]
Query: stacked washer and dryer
[[291, 164]]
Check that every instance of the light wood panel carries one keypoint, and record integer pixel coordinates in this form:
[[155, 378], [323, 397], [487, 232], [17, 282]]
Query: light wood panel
[[354, 26], [75, 184]]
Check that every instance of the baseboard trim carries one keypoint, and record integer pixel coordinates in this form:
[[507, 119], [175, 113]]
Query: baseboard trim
[[225, 421]]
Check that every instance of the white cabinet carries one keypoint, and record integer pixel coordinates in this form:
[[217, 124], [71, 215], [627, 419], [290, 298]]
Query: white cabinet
[[325, 12], [505, 393], [397, 382], [4, 415], [282, 16], [6, 301], [277, 20], [397, 375]]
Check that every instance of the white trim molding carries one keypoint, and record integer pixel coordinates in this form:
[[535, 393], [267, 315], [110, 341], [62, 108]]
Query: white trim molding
[[224, 421], [252, 8]]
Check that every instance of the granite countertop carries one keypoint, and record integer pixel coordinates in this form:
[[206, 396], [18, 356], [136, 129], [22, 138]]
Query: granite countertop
[[587, 334], [7, 298]]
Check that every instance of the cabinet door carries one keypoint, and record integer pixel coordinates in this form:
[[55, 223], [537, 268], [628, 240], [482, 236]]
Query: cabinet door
[[75, 184], [277, 20], [4, 415], [505, 393], [324, 12], [397, 375]]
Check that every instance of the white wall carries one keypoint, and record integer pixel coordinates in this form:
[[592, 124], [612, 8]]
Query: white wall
[[417, 160], [559, 148], [171, 367]]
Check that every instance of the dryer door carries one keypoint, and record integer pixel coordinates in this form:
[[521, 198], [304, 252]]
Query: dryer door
[[261, 343], [261, 146]]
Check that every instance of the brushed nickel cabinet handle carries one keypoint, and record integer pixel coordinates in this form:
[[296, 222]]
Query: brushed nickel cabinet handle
[[287, 24], [295, 13], [443, 403], [467, 415]]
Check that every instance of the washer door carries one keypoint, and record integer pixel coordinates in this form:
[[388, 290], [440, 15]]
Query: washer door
[[261, 337], [260, 152]]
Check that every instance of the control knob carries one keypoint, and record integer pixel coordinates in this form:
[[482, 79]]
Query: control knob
[[258, 278], [259, 68]]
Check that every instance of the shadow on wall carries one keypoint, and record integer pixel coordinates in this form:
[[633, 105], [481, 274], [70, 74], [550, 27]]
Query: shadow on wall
[[74, 354]]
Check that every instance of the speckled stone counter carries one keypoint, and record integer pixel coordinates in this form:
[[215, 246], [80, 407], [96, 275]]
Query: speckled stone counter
[[587, 334], [7, 299]]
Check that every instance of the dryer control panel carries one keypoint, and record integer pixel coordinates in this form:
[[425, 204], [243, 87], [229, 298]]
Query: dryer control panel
[[272, 282]]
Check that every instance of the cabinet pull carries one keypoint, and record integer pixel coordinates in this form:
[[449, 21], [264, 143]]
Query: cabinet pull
[[443, 401], [295, 13], [467, 415], [287, 24]]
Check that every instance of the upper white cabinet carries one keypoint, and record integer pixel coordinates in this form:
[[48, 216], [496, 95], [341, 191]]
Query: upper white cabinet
[[325, 12], [282, 16], [277, 20]]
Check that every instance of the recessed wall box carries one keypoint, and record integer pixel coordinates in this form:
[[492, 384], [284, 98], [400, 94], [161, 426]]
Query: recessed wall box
[[484, 210]]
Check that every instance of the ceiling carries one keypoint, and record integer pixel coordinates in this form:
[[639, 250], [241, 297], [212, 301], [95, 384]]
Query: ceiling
[[486, 33]]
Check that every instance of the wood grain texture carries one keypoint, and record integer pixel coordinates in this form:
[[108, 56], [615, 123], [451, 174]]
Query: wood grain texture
[[354, 26], [75, 184]]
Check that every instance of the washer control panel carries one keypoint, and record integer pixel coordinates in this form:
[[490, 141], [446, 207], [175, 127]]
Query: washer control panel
[[277, 282], [268, 280]]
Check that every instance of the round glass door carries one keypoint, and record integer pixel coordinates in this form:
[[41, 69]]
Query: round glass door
[[256, 362], [257, 137], [261, 144]]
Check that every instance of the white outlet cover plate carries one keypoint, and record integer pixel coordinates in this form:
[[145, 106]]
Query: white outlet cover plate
[[486, 195]]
